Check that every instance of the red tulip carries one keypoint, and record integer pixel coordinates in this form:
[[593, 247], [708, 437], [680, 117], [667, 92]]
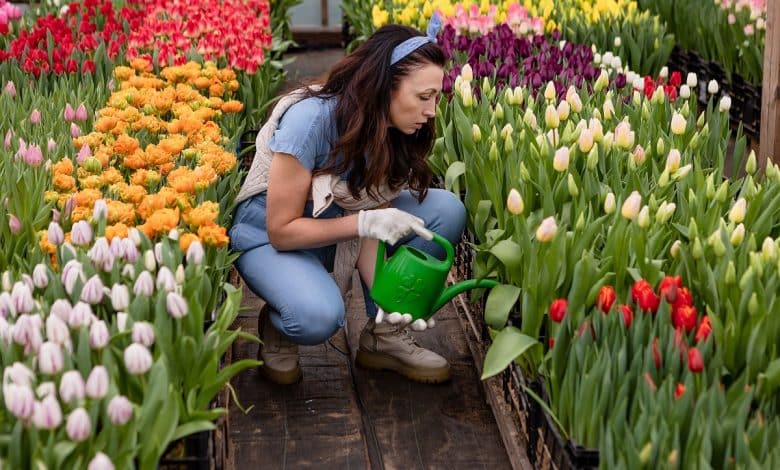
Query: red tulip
[[558, 310], [669, 287], [639, 286], [648, 301], [606, 298], [695, 361], [685, 317], [678, 391], [675, 79], [551, 341], [683, 298], [657, 354], [628, 314], [704, 329]]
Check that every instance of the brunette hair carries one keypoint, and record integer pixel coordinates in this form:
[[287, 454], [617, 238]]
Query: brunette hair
[[373, 151]]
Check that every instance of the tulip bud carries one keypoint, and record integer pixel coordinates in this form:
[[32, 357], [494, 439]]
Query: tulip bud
[[659, 96], [643, 219], [712, 87], [547, 230], [638, 155], [685, 92], [100, 462], [176, 305], [624, 136], [731, 274], [753, 304], [691, 80], [476, 133], [92, 292], [47, 414], [632, 205], [768, 250], [592, 159], [493, 152], [81, 113], [467, 73], [551, 117], [499, 112], [40, 276], [750, 166], [35, 117], [572, 186], [675, 248], [717, 244], [78, 425], [80, 315], [71, 386], [21, 298], [518, 95], [466, 95], [549, 91], [575, 102], [514, 202], [57, 330], [55, 234], [585, 141], [120, 410], [609, 109], [98, 335], [561, 159], [682, 172], [10, 89], [19, 400], [659, 146], [678, 124], [529, 118], [143, 333], [81, 233], [601, 82], [50, 360], [563, 110], [737, 212], [725, 104], [97, 383], [697, 251], [609, 203], [165, 280], [69, 114], [144, 284], [722, 193], [195, 252], [150, 263], [137, 358], [506, 131]]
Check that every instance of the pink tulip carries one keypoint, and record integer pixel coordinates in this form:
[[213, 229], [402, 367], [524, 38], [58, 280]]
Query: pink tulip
[[176, 305], [81, 113], [33, 156], [22, 298], [80, 315], [72, 386], [69, 113], [120, 410], [165, 279], [84, 153], [14, 224], [75, 130], [81, 233], [144, 285], [143, 332], [50, 360], [35, 117], [51, 145], [10, 89], [97, 383], [20, 400], [100, 462], [8, 136], [138, 359], [61, 309], [57, 330], [55, 234], [92, 292], [78, 426], [47, 414], [98, 335]]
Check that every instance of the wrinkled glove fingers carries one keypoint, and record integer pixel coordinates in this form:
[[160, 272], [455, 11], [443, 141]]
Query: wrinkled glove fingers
[[419, 325], [380, 315]]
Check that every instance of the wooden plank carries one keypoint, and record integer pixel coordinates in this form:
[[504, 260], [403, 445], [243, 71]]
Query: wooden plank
[[507, 419], [420, 426], [315, 423], [770, 101]]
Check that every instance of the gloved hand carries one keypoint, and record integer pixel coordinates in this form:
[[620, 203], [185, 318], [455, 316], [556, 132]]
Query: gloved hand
[[390, 225], [397, 318]]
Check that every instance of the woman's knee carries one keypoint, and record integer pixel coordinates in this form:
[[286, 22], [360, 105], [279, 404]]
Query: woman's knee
[[449, 214], [310, 320]]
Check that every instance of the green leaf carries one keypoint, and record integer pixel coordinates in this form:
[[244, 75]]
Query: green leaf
[[508, 345], [499, 302], [191, 428], [455, 170], [509, 253]]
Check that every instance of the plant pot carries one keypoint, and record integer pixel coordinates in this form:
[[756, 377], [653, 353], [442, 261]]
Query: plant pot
[[193, 452]]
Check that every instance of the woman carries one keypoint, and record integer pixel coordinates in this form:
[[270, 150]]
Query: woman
[[337, 168]]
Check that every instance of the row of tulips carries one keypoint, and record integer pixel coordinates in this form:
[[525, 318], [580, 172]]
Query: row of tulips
[[605, 184], [638, 37], [729, 32], [118, 189]]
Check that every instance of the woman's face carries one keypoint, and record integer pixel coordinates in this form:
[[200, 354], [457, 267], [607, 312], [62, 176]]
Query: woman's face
[[413, 102]]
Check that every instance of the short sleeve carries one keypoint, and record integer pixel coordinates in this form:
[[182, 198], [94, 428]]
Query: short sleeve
[[299, 132]]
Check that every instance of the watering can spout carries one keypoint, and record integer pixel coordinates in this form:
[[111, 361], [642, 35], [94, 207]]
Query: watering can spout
[[455, 289]]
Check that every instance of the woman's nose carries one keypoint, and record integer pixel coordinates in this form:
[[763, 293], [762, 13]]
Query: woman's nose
[[430, 110]]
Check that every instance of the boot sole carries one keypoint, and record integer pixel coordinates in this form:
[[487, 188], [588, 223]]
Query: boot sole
[[373, 361], [279, 377]]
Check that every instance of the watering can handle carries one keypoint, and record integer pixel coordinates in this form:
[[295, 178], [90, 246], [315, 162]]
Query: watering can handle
[[444, 243]]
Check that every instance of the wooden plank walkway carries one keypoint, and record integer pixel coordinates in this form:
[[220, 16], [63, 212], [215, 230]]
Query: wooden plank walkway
[[342, 416]]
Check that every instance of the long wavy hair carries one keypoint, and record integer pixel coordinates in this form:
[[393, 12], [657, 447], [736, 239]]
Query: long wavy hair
[[374, 152]]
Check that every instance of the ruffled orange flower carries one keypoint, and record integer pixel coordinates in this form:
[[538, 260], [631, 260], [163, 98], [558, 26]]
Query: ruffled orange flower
[[63, 167], [145, 178], [91, 182], [214, 235], [64, 182], [222, 162], [217, 89], [46, 246], [232, 106], [204, 214], [80, 213], [136, 160], [204, 113], [141, 65], [123, 73], [105, 124], [112, 176], [173, 144], [116, 230], [87, 197], [149, 204], [185, 240], [121, 212], [204, 176], [161, 221]]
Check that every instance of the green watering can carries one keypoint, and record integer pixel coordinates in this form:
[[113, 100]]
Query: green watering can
[[414, 282]]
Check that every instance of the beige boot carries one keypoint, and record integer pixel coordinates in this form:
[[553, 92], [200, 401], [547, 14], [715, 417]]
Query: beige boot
[[279, 355], [386, 346]]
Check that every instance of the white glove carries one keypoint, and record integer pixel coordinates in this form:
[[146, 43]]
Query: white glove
[[390, 225], [397, 318]]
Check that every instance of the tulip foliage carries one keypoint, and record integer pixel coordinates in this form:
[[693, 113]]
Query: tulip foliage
[[119, 177], [572, 189]]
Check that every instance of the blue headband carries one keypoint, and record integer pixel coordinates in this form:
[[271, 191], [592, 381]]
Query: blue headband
[[413, 43]]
